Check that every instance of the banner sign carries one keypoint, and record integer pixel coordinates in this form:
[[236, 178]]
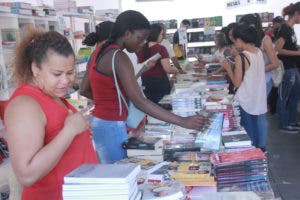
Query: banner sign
[[239, 3]]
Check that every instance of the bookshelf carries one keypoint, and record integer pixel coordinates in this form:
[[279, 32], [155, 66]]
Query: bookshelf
[[12, 28], [199, 41]]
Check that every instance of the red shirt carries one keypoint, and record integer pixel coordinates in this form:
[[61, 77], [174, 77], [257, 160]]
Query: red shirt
[[105, 94], [157, 70], [79, 152]]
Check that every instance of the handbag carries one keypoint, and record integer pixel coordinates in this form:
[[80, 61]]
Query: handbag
[[277, 74], [135, 116]]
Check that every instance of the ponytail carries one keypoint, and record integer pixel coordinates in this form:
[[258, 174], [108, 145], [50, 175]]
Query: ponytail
[[291, 9], [91, 39], [24, 56]]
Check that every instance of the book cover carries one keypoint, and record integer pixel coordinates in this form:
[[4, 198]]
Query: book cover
[[194, 174], [201, 22], [168, 190], [143, 143], [103, 173], [140, 152], [239, 156], [242, 168], [159, 175], [144, 163], [195, 23], [236, 140], [237, 179], [225, 175]]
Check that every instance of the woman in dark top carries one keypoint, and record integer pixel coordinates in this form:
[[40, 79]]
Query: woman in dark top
[[155, 80], [288, 53]]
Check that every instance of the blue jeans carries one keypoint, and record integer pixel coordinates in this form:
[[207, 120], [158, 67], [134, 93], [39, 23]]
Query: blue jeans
[[108, 137], [288, 95], [255, 126]]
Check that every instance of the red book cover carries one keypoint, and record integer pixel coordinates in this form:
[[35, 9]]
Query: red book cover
[[236, 157]]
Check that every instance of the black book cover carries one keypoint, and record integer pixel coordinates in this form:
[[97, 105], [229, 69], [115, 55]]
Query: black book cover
[[255, 186], [240, 174], [134, 143], [238, 179]]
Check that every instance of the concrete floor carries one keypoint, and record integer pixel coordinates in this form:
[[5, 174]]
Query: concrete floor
[[284, 161]]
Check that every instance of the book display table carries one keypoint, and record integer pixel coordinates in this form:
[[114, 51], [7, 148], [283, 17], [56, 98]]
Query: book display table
[[167, 162], [217, 162]]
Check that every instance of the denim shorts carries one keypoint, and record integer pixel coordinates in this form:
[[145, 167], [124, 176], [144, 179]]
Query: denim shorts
[[108, 138]]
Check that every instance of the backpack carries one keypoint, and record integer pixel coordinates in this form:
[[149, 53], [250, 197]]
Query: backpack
[[277, 74]]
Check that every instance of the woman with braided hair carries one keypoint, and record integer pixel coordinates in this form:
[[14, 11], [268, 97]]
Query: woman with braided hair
[[130, 31]]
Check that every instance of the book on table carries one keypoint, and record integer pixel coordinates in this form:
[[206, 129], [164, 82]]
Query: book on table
[[236, 140], [100, 192], [103, 173], [246, 156]]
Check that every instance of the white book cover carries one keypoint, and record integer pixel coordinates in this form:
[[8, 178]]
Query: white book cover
[[103, 173], [141, 152]]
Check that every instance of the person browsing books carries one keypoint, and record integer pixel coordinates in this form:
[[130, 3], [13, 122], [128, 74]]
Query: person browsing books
[[266, 45], [289, 54], [47, 137], [108, 123], [156, 80], [250, 81], [221, 44]]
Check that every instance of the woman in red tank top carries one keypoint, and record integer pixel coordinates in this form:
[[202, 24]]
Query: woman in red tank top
[[47, 137]]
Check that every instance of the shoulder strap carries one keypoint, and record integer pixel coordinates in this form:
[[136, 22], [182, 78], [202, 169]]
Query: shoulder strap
[[119, 93], [243, 57]]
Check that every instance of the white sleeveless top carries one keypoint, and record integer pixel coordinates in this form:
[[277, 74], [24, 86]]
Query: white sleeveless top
[[251, 94]]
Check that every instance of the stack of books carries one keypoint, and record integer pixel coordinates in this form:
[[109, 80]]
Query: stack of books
[[245, 170], [146, 148], [102, 181], [229, 119], [158, 129], [236, 139], [187, 104]]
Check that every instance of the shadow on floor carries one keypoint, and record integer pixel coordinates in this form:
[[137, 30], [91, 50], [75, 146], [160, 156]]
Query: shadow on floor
[[284, 161]]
